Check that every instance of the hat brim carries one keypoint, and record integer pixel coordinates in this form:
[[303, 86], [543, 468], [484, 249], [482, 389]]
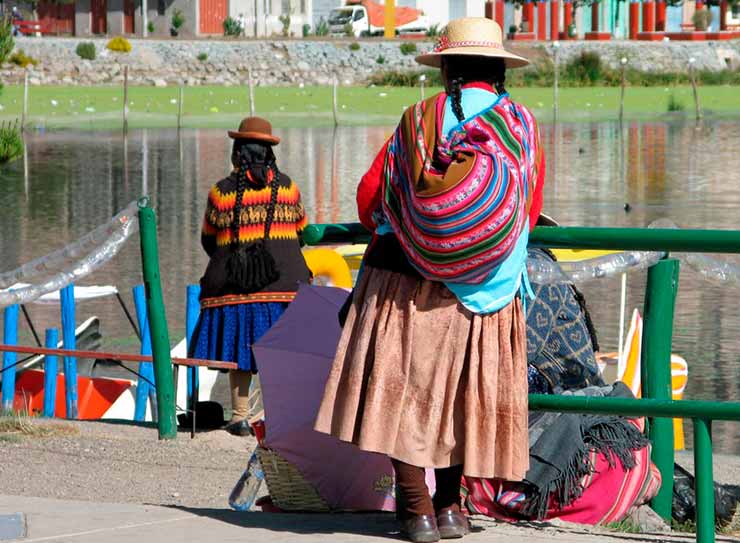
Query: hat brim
[[258, 136], [545, 220], [510, 59]]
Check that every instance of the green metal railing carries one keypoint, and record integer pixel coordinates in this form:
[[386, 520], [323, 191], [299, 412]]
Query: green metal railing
[[660, 299]]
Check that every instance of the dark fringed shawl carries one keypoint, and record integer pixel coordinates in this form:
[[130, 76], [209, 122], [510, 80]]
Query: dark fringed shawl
[[560, 445]]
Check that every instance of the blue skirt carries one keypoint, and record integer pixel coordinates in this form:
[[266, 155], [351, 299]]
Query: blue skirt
[[227, 333]]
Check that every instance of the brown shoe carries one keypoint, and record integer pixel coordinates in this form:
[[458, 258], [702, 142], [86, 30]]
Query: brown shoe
[[452, 524], [421, 529]]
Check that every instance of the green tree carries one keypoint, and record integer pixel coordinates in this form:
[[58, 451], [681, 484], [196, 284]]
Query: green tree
[[7, 43]]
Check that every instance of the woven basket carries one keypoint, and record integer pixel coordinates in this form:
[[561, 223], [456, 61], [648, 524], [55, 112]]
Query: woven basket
[[288, 489]]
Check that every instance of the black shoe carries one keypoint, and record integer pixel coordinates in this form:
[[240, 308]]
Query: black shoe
[[421, 529], [240, 428]]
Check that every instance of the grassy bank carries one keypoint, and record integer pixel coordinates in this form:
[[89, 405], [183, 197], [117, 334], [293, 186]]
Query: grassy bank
[[101, 107]]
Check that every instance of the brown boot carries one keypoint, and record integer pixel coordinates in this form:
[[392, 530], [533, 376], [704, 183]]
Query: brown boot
[[414, 506], [451, 522], [239, 382]]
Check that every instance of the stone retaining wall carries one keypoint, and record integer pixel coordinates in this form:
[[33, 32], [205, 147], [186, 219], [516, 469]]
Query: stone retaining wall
[[169, 62]]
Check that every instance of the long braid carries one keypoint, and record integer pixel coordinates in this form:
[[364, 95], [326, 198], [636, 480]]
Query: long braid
[[243, 163], [499, 84], [251, 267], [271, 166], [456, 96]]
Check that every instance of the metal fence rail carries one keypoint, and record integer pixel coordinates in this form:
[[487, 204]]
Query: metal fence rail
[[660, 298]]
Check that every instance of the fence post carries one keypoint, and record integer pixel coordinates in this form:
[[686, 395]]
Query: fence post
[[556, 80], [166, 421], [144, 388], [67, 295], [192, 312], [335, 100], [10, 337], [50, 373], [251, 92], [692, 75], [24, 113], [180, 106], [704, 481], [660, 302], [125, 99], [623, 62]]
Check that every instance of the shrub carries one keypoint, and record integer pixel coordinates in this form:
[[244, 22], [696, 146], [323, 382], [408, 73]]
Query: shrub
[[306, 30], [119, 44], [380, 59], [349, 30], [232, 27], [202, 57], [178, 19], [702, 18], [433, 31], [285, 21], [86, 50], [11, 142], [322, 29], [20, 58], [150, 27], [394, 78], [408, 48], [354, 46], [586, 68], [674, 104], [7, 43]]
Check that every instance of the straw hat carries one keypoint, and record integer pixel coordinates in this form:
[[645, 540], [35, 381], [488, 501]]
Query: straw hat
[[475, 36], [255, 128]]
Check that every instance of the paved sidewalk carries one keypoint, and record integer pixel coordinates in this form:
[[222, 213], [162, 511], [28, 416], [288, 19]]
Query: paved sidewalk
[[86, 522]]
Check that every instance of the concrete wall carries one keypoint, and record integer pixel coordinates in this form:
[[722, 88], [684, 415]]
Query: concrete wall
[[114, 19], [82, 18]]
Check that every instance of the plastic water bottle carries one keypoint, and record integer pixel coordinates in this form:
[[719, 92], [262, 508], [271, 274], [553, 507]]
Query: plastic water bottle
[[243, 496]]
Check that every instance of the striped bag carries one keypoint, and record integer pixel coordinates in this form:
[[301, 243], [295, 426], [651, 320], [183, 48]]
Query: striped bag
[[459, 205]]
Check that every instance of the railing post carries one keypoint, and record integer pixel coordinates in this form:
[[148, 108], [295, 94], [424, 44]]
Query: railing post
[[660, 301], [67, 298], [144, 389], [192, 312], [51, 371], [704, 481], [10, 337], [166, 421]]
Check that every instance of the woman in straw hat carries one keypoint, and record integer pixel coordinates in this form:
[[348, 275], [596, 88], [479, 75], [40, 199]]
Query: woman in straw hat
[[251, 233], [431, 369]]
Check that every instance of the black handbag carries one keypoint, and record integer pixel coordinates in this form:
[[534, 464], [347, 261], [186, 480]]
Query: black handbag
[[251, 267]]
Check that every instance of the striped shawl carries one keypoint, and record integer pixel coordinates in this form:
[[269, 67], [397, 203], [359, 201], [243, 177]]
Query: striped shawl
[[459, 205]]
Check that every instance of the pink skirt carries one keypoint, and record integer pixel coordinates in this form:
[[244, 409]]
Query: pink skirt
[[423, 380]]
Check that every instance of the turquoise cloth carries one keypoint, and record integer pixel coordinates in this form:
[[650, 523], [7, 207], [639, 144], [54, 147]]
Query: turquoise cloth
[[504, 282], [510, 278]]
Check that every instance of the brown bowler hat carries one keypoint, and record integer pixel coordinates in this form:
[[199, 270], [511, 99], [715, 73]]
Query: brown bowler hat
[[255, 128]]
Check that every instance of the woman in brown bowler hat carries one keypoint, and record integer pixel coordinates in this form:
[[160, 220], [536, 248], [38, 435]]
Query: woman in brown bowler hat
[[251, 233]]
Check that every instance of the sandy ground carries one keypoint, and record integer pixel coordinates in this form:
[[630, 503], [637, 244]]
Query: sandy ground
[[123, 463], [110, 463]]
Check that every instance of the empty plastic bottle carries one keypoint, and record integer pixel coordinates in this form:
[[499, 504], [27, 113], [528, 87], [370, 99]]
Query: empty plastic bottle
[[243, 496]]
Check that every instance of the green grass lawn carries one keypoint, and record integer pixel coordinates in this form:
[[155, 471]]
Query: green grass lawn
[[291, 106]]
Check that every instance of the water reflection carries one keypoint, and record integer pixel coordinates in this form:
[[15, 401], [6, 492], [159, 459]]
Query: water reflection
[[73, 182]]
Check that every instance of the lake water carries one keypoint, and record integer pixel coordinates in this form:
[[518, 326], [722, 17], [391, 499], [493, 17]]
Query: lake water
[[75, 181]]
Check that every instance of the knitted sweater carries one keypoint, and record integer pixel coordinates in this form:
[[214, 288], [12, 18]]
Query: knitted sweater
[[283, 243]]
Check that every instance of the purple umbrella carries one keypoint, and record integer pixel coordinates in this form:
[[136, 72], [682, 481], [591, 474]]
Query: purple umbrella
[[294, 359]]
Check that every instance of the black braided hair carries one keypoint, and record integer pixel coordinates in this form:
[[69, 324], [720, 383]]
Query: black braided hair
[[249, 156], [456, 95], [462, 69]]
